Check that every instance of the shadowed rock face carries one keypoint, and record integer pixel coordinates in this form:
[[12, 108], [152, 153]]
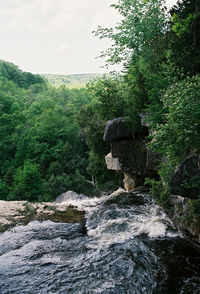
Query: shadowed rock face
[[116, 129], [186, 179]]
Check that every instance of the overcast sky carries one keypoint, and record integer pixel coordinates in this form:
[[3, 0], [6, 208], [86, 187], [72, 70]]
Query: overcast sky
[[55, 36]]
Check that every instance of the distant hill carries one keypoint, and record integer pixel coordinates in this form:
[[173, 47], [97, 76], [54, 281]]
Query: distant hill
[[11, 72], [71, 81]]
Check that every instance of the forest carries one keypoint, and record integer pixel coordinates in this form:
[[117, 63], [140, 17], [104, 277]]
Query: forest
[[42, 153], [51, 137]]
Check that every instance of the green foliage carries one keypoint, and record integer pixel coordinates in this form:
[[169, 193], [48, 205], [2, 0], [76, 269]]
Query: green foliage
[[180, 132], [11, 72], [191, 212], [181, 26], [160, 54], [160, 189], [3, 190], [191, 182], [41, 150], [155, 187], [141, 25], [27, 183], [185, 36]]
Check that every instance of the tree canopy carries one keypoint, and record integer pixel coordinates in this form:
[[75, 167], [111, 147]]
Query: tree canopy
[[41, 149]]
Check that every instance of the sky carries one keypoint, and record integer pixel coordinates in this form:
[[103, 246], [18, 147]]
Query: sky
[[55, 36]]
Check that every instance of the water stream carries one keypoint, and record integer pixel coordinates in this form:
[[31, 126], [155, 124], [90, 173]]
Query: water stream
[[129, 246]]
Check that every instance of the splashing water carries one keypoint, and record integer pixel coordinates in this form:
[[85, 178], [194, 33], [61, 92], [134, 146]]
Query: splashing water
[[130, 247]]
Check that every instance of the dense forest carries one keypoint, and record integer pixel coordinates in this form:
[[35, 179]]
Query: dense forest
[[51, 138]]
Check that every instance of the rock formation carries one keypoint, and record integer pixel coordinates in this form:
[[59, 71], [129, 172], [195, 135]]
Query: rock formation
[[13, 213], [129, 153], [179, 210]]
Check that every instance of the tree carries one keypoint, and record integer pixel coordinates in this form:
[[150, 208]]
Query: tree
[[143, 22], [27, 183], [185, 36], [179, 135], [140, 42]]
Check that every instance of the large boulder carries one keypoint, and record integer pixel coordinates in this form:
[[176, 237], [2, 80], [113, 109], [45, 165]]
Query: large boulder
[[186, 179], [116, 129]]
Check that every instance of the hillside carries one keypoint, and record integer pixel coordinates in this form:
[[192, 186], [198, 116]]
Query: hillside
[[71, 81]]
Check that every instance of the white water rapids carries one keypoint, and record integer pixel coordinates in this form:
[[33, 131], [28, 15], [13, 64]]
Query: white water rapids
[[129, 246]]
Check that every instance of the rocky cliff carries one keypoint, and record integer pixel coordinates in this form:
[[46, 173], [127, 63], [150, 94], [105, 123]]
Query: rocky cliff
[[130, 154]]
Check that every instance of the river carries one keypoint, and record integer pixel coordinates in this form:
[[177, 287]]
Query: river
[[128, 246]]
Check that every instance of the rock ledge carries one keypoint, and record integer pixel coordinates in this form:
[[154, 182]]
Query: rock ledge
[[13, 213]]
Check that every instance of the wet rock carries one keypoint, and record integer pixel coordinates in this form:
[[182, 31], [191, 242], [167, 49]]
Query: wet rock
[[126, 199], [186, 179], [179, 210], [120, 191], [116, 129]]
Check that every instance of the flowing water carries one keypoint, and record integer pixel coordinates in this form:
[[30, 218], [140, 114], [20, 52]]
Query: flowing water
[[128, 246]]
